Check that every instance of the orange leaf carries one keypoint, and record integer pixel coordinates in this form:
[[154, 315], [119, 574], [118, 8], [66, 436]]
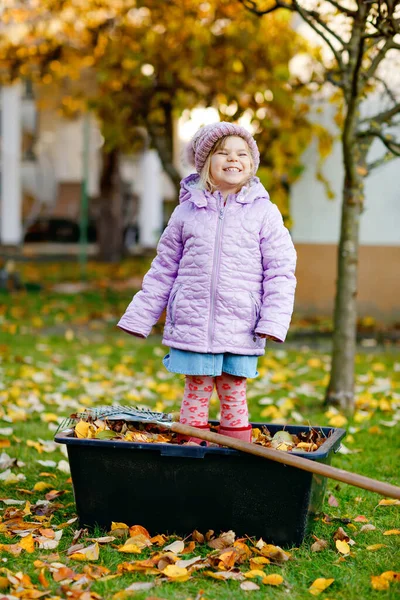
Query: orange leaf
[[379, 583], [392, 532], [138, 529], [389, 502]]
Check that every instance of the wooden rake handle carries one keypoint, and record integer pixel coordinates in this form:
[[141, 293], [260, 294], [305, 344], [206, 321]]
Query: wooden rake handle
[[287, 458]]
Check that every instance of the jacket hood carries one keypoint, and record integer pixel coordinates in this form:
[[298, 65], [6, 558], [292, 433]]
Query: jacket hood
[[190, 190]]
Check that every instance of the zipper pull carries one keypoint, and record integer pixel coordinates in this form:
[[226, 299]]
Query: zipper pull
[[221, 213]]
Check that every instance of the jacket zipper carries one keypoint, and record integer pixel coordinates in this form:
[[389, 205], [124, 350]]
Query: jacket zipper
[[217, 256]]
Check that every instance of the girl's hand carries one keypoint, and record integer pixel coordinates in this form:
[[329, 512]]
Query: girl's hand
[[267, 337]]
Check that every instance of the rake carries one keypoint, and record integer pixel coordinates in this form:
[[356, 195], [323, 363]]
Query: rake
[[132, 414]]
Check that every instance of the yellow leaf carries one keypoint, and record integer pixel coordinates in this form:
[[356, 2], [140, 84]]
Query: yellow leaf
[[273, 579], [49, 417], [118, 526], [389, 502], [83, 430], [342, 547], [90, 553], [392, 532], [130, 547], [375, 547], [257, 561], [338, 421], [254, 573], [41, 486], [35, 445], [320, 585], [176, 573], [379, 583], [27, 543]]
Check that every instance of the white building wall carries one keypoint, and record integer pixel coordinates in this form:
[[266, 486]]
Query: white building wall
[[317, 219]]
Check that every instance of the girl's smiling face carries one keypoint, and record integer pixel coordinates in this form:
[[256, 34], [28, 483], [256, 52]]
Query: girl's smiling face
[[231, 165]]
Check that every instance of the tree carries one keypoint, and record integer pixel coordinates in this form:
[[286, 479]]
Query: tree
[[140, 64], [362, 37]]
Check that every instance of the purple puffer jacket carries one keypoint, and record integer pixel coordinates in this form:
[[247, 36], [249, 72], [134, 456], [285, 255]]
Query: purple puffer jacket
[[225, 273]]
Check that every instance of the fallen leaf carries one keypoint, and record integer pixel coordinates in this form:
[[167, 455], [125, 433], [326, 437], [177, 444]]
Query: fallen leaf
[[176, 573], [342, 547], [319, 545], [273, 579], [392, 532], [249, 586], [27, 543], [274, 553], [223, 541], [379, 583], [340, 534], [176, 547], [90, 553], [257, 561], [140, 586], [375, 547], [130, 547], [360, 519], [319, 585], [138, 530], [332, 501], [188, 562], [41, 486], [367, 527], [118, 526], [389, 502], [254, 573], [391, 576], [224, 575], [198, 537]]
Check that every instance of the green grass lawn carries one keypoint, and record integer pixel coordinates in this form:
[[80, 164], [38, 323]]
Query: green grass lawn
[[61, 353]]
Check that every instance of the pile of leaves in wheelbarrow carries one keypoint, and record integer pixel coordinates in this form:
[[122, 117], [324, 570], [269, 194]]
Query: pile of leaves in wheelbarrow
[[146, 433]]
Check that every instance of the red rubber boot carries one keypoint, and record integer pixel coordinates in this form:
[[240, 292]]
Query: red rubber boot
[[240, 433], [185, 438]]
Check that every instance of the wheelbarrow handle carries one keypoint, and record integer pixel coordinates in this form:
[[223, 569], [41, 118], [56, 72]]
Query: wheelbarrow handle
[[287, 458]]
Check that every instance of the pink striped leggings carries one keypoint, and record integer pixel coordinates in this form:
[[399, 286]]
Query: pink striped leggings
[[231, 391]]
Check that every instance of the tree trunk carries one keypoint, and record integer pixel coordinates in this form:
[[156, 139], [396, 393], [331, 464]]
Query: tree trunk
[[162, 140], [110, 217], [340, 391]]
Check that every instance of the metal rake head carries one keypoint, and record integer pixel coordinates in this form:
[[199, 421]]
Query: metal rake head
[[117, 413]]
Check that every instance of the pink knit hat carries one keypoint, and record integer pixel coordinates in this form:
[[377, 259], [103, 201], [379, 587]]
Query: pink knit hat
[[204, 139]]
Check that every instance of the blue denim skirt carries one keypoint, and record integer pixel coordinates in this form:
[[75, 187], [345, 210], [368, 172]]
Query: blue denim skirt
[[199, 363]]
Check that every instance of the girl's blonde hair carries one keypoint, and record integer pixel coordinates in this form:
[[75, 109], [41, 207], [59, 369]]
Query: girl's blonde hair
[[206, 181]]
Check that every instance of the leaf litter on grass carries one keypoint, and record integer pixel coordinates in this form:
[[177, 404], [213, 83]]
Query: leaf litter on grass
[[51, 378]]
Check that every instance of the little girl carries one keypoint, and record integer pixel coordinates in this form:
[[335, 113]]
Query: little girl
[[225, 271]]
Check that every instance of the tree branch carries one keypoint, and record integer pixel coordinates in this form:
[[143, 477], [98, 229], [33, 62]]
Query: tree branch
[[387, 90], [251, 5], [392, 145], [387, 157], [307, 16], [383, 116], [378, 59], [343, 9]]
